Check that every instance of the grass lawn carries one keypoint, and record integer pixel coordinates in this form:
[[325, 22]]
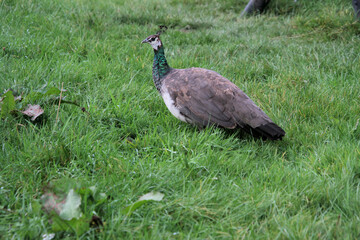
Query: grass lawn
[[299, 62]]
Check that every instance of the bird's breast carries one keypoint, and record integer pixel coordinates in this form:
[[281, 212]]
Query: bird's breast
[[170, 104]]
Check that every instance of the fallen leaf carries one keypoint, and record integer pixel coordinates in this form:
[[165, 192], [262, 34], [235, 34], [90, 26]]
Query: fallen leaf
[[72, 208], [48, 236], [51, 203], [151, 196], [18, 98], [156, 196], [33, 111], [67, 208]]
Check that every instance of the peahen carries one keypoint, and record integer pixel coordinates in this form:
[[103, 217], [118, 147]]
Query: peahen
[[203, 97]]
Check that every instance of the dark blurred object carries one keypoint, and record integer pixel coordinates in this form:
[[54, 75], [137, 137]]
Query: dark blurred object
[[256, 6], [356, 5], [96, 222]]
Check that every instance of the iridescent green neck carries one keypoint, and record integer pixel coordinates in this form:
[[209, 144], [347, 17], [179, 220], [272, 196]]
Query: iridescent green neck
[[160, 67]]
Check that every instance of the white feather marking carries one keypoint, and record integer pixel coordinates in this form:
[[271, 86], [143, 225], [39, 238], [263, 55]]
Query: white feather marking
[[155, 44], [170, 104]]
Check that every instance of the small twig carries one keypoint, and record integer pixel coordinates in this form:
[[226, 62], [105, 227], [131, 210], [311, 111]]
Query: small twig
[[57, 114], [69, 102], [53, 101]]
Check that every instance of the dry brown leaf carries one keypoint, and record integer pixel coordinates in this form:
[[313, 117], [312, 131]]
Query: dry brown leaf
[[33, 111]]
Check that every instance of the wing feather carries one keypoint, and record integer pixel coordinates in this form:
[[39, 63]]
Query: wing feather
[[205, 97]]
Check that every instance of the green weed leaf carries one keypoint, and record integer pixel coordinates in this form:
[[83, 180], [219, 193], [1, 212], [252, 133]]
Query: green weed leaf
[[52, 91], [36, 96], [7, 104], [78, 226], [71, 208], [130, 209], [35, 207]]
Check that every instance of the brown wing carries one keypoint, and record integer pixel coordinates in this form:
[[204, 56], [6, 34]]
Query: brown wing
[[205, 97]]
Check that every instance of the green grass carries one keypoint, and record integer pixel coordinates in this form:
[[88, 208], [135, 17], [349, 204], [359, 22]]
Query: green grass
[[299, 62]]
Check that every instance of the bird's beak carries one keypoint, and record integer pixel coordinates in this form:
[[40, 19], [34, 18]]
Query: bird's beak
[[145, 41]]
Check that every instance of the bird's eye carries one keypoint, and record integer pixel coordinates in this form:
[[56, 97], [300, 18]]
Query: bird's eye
[[152, 39]]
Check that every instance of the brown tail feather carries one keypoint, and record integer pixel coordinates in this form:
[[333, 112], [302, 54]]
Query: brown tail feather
[[270, 131]]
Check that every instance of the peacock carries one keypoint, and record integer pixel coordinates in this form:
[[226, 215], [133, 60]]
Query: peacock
[[203, 97]]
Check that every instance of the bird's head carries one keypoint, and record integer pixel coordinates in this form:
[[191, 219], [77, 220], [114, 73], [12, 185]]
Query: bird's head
[[154, 41]]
